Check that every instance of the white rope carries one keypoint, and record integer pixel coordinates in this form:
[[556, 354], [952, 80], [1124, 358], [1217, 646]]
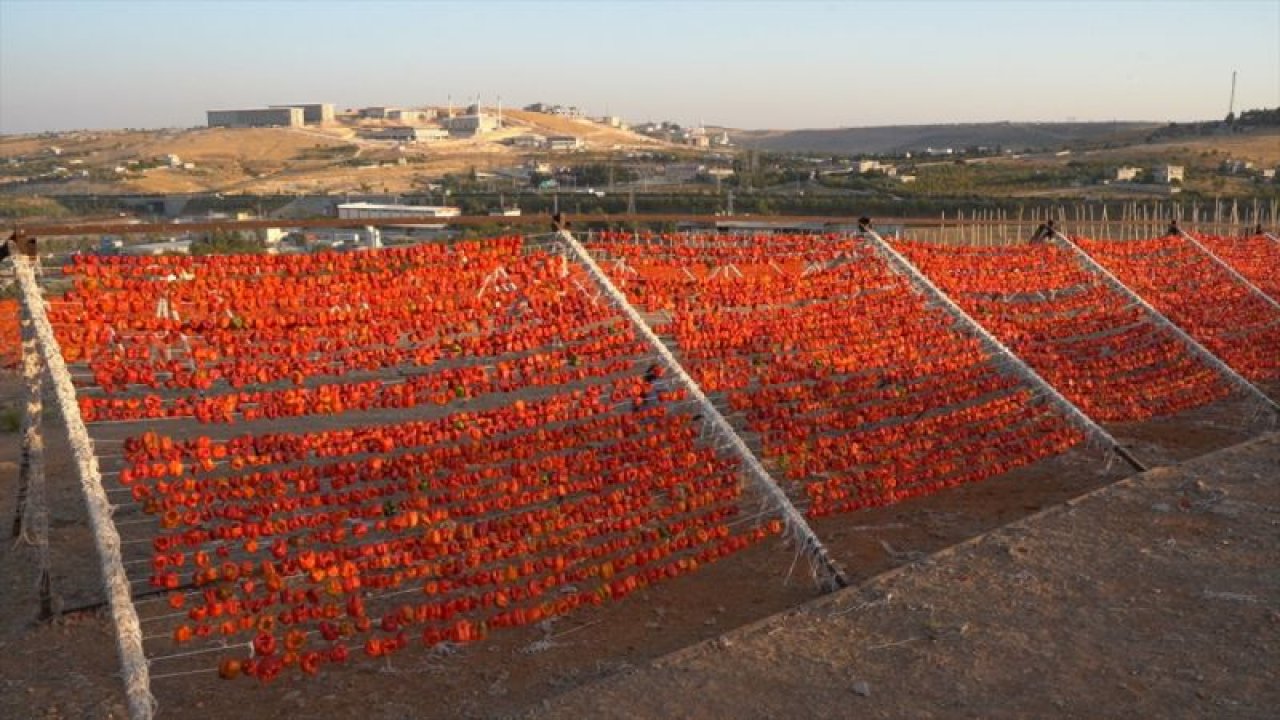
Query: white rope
[[1230, 270], [922, 283], [35, 519], [133, 662], [827, 573], [1202, 352]]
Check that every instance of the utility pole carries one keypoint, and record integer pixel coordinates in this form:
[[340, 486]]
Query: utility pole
[[1231, 106]]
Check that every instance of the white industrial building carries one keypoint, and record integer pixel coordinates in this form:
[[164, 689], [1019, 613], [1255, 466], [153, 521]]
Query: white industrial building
[[1166, 174], [409, 116], [1127, 174], [563, 142], [376, 112], [374, 211], [312, 113], [529, 140], [472, 124], [256, 117], [865, 166]]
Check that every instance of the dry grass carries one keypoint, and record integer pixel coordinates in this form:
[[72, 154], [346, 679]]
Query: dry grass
[[1263, 148]]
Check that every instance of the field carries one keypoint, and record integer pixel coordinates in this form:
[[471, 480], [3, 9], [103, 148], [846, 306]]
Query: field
[[543, 499], [916, 138]]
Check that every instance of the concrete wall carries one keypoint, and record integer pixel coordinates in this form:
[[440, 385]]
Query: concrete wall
[[313, 113], [259, 117]]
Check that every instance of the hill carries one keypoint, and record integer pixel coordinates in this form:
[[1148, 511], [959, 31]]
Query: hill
[[269, 160], [894, 139]]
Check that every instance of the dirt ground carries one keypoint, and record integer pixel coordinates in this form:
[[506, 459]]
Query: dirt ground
[[1158, 596], [66, 669]]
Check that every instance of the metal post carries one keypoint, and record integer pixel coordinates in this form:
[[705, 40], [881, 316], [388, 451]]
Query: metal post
[[107, 540], [993, 345], [1196, 348], [1232, 271], [827, 573]]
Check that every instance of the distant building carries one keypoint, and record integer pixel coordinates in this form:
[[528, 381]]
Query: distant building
[[168, 247], [531, 140], [406, 134], [716, 172], [410, 116], [257, 117], [374, 211], [1237, 166], [563, 142], [375, 112], [862, 167], [313, 113], [471, 125], [561, 110], [698, 137], [1166, 174], [1127, 174]]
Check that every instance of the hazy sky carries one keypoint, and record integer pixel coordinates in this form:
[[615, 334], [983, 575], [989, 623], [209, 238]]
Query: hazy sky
[[106, 64]]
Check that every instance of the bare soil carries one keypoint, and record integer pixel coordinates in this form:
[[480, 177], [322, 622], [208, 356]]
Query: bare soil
[[1158, 596]]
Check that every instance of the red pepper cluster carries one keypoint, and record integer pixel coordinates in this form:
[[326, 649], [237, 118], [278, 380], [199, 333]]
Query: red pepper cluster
[[860, 392], [1201, 296], [10, 334], [543, 468], [1088, 340], [1254, 256]]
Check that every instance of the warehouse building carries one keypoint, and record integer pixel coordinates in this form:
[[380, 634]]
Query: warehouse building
[[257, 117], [312, 113], [375, 211], [472, 124]]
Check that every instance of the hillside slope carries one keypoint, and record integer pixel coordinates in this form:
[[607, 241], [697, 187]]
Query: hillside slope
[[915, 138]]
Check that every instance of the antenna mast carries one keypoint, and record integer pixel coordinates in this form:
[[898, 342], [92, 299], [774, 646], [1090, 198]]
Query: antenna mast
[[1231, 107]]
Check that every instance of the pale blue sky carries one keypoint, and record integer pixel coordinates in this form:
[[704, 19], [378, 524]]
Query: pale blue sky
[[106, 64]]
